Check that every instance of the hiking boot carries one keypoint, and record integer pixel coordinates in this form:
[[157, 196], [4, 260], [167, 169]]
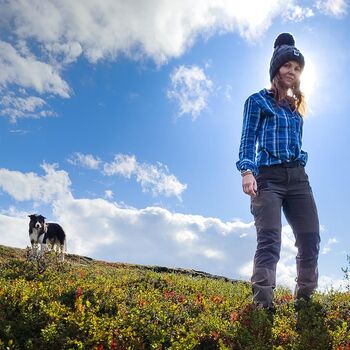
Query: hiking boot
[[301, 302], [269, 309]]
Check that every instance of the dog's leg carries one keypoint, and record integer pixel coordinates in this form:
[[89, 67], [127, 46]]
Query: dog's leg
[[35, 250], [57, 250], [64, 248], [43, 248], [32, 252], [60, 252]]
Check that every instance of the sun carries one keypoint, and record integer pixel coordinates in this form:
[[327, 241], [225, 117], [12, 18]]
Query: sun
[[308, 79]]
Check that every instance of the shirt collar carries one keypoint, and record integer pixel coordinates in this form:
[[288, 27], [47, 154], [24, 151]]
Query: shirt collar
[[271, 94], [268, 92]]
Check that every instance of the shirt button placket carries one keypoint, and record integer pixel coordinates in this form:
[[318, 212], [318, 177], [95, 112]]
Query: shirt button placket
[[293, 133]]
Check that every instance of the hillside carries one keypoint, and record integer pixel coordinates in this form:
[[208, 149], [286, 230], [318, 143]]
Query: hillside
[[89, 304]]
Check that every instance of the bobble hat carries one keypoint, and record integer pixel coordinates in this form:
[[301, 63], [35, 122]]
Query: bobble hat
[[284, 51]]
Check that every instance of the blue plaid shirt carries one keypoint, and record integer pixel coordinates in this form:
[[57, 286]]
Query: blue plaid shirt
[[271, 133]]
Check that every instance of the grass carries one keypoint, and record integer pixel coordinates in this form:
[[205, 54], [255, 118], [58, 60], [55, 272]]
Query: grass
[[88, 304]]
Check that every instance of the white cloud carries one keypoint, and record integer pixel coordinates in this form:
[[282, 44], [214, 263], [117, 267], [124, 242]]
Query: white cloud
[[107, 230], [327, 283], [26, 71], [85, 160], [153, 178], [337, 8], [122, 164], [213, 254], [15, 107], [61, 32], [63, 54], [296, 13], [14, 230], [327, 248], [108, 194], [157, 180], [104, 30], [190, 88], [32, 187], [154, 236], [246, 270], [228, 92], [150, 236], [186, 237]]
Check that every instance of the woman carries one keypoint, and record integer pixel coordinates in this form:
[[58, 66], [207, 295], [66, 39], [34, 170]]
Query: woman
[[273, 174]]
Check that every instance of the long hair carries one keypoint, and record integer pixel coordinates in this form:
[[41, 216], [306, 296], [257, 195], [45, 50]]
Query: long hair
[[293, 95]]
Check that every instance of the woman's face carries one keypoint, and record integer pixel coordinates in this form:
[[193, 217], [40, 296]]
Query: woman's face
[[290, 73]]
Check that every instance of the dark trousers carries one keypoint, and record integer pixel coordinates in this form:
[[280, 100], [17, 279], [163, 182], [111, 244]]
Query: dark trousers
[[284, 186]]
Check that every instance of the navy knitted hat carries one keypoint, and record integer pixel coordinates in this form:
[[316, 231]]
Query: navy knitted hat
[[284, 51]]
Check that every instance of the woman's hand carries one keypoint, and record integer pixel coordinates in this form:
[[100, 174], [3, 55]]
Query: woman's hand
[[249, 185]]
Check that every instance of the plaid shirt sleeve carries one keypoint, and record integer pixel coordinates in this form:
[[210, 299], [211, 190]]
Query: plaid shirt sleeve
[[247, 149]]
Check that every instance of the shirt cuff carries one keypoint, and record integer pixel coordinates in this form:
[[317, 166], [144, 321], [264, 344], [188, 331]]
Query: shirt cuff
[[247, 164]]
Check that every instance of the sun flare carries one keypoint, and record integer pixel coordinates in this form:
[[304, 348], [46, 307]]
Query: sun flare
[[308, 80]]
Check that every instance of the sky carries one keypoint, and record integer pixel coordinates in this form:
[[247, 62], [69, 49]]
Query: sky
[[122, 121]]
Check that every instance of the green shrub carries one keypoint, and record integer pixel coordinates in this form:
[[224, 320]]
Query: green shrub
[[110, 306]]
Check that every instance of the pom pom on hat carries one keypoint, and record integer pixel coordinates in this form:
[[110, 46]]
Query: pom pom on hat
[[284, 39]]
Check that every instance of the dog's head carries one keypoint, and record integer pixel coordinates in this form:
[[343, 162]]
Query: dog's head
[[37, 221]]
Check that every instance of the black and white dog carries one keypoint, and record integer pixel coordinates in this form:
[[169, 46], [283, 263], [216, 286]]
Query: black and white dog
[[42, 233]]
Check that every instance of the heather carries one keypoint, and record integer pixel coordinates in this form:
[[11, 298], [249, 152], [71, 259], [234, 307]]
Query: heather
[[88, 304]]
